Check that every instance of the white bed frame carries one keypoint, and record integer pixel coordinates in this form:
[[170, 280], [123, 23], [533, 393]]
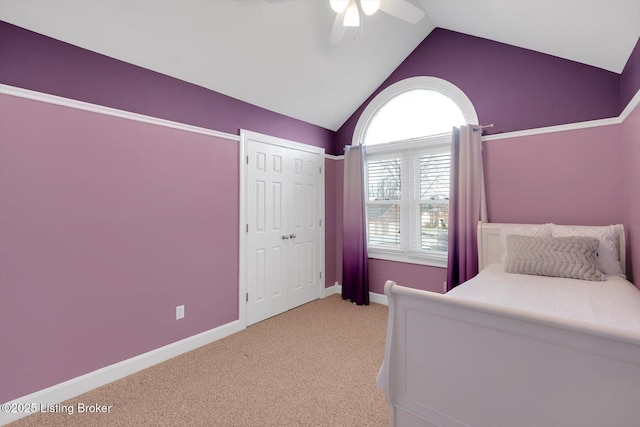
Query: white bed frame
[[454, 363]]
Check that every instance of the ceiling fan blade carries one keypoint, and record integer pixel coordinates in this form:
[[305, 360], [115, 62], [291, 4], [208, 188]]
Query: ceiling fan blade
[[338, 30], [402, 9]]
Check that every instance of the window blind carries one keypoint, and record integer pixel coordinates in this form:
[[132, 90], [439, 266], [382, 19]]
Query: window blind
[[408, 197], [434, 177], [384, 187]]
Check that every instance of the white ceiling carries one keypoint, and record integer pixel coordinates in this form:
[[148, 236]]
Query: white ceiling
[[276, 53]]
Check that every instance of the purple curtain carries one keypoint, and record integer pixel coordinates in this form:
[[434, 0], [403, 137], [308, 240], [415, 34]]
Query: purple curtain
[[355, 280], [467, 204]]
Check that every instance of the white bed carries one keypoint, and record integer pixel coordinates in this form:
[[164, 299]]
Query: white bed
[[502, 352]]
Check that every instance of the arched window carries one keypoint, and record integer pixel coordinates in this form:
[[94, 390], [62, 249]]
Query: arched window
[[407, 130], [417, 113]]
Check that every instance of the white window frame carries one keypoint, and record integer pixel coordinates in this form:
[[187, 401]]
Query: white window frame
[[432, 258]]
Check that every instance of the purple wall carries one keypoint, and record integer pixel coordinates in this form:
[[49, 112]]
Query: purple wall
[[571, 177], [410, 275], [107, 225], [549, 177], [630, 78], [33, 61], [631, 164], [513, 88], [333, 220]]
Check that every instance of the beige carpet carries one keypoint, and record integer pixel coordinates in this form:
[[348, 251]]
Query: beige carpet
[[315, 365]]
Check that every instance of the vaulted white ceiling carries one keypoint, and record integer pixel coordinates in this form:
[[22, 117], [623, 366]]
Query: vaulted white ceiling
[[276, 53]]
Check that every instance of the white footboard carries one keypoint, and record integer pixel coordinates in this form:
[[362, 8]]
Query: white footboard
[[457, 363]]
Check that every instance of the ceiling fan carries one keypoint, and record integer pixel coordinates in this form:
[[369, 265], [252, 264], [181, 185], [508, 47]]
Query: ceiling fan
[[348, 13]]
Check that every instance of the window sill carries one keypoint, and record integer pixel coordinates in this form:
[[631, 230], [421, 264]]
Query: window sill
[[430, 260]]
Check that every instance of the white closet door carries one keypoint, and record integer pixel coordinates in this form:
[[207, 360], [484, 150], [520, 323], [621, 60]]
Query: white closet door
[[267, 270], [304, 221], [283, 212]]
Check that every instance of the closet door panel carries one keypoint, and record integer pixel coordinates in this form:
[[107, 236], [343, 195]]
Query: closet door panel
[[267, 272], [305, 225]]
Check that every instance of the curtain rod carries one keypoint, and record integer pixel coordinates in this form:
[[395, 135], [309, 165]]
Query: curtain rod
[[475, 129], [479, 127]]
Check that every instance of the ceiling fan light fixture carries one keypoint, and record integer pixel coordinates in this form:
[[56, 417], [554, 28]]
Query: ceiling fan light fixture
[[369, 7], [352, 16], [338, 6]]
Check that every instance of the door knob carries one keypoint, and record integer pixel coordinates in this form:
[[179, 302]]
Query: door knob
[[285, 237], [292, 235]]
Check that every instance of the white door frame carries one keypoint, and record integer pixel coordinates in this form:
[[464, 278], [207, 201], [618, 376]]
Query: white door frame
[[246, 135]]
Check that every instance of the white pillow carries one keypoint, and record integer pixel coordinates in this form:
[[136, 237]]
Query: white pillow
[[608, 251], [538, 230]]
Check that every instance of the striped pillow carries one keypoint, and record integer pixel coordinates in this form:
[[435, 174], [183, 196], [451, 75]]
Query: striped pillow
[[569, 257]]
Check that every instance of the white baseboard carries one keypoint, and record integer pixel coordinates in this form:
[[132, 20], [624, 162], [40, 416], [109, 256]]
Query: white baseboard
[[87, 382], [333, 289], [378, 298], [84, 383], [373, 297]]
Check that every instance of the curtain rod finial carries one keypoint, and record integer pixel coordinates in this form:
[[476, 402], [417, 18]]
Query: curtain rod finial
[[481, 127]]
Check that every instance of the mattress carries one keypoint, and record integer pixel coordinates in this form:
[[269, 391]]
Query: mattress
[[613, 303]]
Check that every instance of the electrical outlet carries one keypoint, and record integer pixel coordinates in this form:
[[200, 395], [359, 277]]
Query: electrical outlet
[[179, 312]]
